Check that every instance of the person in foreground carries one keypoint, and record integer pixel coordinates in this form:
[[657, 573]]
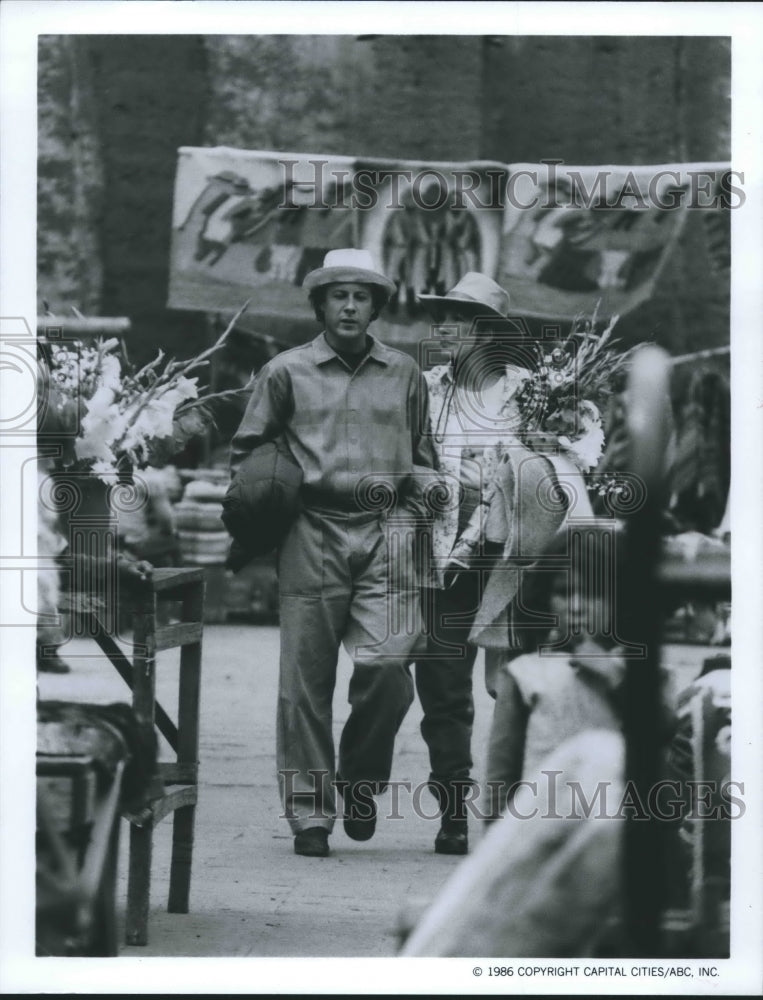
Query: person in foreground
[[545, 880], [351, 412]]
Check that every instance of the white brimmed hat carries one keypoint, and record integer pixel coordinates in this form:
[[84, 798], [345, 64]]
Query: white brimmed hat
[[348, 265], [476, 291]]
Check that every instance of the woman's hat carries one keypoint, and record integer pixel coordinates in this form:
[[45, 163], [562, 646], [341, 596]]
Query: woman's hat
[[348, 265], [476, 291]]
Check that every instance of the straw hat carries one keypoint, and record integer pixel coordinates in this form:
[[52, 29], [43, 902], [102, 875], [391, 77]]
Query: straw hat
[[348, 265], [476, 291]]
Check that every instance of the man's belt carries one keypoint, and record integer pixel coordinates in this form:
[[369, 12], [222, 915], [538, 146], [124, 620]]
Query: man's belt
[[326, 502]]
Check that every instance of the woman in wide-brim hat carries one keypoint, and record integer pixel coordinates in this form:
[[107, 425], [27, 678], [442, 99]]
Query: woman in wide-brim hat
[[493, 518]]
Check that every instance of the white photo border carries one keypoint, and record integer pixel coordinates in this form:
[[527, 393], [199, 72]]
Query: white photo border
[[21, 21]]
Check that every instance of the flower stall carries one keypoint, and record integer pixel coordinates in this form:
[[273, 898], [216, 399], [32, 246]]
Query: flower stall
[[104, 430]]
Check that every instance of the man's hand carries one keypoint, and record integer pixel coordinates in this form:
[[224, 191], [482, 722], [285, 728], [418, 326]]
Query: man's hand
[[134, 570]]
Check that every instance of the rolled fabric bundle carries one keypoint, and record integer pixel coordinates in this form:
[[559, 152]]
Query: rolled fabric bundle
[[191, 515], [204, 492], [201, 533], [199, 547]]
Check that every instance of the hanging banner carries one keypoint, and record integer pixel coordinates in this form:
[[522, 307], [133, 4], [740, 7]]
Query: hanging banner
[[562, 240], [576, 239]]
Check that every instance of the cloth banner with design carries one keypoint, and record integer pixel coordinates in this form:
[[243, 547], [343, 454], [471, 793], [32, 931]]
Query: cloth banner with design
[[562, 240]]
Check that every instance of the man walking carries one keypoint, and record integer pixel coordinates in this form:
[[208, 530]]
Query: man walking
[[354, 415]]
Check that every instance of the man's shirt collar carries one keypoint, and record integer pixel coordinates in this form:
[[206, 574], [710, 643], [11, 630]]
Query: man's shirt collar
[[323, 352]]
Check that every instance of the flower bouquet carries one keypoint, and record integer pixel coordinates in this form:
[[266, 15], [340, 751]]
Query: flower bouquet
[[111, 419], [562, 398]]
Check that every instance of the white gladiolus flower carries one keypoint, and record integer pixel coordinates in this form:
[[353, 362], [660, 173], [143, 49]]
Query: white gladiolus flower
[[586, 450], [101, 425]]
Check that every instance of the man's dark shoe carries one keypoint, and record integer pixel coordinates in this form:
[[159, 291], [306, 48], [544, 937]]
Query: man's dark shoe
[[452, 838], [359, 811], [453, 835], [312, 842]]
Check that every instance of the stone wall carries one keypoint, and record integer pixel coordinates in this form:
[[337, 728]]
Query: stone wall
[[69, 180], [282, 92], [382, 96], [607, 99], [112, 112], [150, 95]]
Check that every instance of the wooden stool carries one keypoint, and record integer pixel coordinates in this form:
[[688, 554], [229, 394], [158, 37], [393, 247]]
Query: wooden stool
[[187, 586]]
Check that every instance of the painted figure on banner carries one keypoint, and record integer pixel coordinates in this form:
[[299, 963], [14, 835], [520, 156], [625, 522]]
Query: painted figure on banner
[[587, 234], [284, 233], [426, 250]]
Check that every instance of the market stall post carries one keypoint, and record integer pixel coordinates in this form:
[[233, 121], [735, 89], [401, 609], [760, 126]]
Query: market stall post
[[640, 616], [182, 773]]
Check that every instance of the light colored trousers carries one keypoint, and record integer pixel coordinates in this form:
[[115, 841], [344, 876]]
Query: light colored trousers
[[344, 579]]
